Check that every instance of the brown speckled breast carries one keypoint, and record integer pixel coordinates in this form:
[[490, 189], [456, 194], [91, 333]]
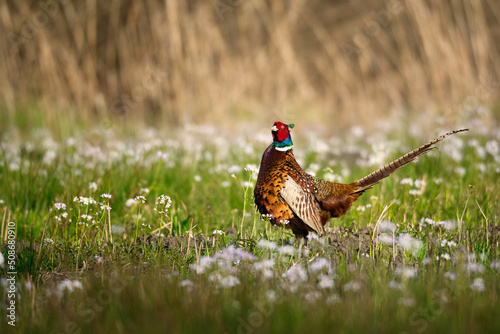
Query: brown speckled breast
[[276, 167]]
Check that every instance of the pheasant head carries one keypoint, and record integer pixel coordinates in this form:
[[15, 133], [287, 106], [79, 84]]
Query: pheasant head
[[282, 140]]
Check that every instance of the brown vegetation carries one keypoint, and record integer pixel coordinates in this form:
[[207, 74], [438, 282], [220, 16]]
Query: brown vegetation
[[180, 60]]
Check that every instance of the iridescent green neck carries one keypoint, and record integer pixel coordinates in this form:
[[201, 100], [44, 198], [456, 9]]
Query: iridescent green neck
[[284, 145]]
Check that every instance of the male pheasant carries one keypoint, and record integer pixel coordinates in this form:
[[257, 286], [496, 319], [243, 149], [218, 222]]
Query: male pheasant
[[304, 203]]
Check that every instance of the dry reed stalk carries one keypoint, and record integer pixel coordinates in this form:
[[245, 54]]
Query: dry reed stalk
[[256, 55]]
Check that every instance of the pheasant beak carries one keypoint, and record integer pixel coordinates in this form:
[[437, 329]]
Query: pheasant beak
[[274, 128]]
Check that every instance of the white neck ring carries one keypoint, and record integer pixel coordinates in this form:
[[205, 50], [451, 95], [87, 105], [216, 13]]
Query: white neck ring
[[284, 149]]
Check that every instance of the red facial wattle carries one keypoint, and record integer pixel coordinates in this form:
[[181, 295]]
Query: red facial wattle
[[282, 134]]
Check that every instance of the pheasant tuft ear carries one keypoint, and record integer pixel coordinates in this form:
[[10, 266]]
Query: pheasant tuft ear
[[291, 126]]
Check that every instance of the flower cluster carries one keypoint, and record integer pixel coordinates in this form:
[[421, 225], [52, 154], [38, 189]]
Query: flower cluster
[[140, 199], [60, 206], [84, 200], [418, 184], [68, 286], [223, 266], [163, 203], [62, 215], [218, 232], [445, 224]]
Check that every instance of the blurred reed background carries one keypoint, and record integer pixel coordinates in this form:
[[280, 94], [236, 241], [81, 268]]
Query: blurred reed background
[[168, 62]]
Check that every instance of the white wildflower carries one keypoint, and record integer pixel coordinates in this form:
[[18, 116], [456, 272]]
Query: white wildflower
[[406, 181], [387, 226], [426, 221], [352, 286], [395, 285], [105, 207], [140, 199], [84, 200], [130, 202], [450, 275], [117, 229], [68, 285], [408, 243], [320, 264], [477, 268], [204, 264], [420, 183], [228, 281], [232, 254], [287, 250], [460, 171], [108, 196], [60, 206], [265, 268], [86, 217], [218, 232], [406, 272], [186, 283], [247, 184], [312, 237], [447, 224], [445, 256], [263, 243], [386, 239], [271, 296], [312, 296], [492, 147], [163, 203], [495, 265], [415, 192], [164, 200], [325, 281], [451, 243], [332, 177], [478, 284], [296, 274], [233, 169], [93, 186], [252, 168], [333, 299]]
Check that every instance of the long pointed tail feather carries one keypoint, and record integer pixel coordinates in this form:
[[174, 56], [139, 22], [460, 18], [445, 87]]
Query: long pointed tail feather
[[375, 177]]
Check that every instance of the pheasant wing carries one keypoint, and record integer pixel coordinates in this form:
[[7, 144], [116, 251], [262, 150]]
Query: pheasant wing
[[303, 204]]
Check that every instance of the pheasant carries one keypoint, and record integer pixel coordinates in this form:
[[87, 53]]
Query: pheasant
[[286, 194]]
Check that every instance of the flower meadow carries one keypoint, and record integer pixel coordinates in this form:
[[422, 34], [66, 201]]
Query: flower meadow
[[148, 230]]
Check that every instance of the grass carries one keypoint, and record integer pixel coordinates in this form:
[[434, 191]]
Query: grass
[[74, 276]]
